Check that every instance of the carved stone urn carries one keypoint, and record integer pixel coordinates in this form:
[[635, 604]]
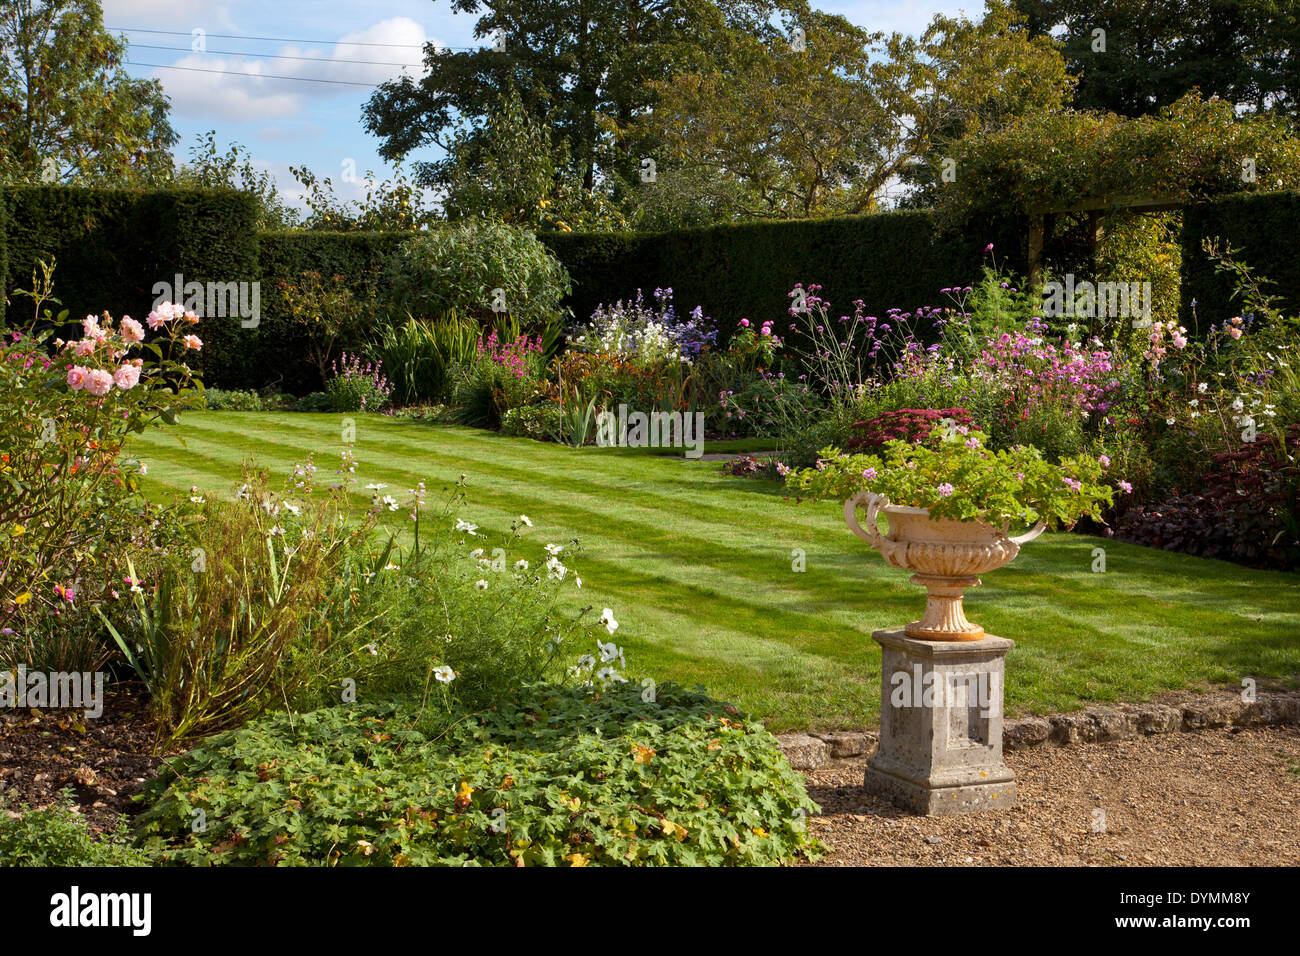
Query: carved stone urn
[[945, 557]]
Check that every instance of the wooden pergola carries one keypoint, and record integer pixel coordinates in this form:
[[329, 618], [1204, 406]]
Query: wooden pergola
[[1097, 210]]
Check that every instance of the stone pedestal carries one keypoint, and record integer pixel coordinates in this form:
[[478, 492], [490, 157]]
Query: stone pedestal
[[940, 750]]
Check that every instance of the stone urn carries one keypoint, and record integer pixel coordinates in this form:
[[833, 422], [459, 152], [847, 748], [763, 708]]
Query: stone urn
[[945, 557]]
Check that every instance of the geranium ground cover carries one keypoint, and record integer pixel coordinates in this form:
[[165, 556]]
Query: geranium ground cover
[[701, 568]]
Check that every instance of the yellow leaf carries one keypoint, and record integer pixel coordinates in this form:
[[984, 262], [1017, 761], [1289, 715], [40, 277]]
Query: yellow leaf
[[675, 830]]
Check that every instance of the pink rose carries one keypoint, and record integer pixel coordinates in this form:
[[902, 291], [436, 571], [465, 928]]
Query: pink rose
[[98, 382], [160, 315], [126, 377], [76, 377], [89, 325], [193, 342], [85, 347], [132, 330], [1235, 333]]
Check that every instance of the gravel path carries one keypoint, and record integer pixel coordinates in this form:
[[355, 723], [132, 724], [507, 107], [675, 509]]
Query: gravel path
[[1209, 798]]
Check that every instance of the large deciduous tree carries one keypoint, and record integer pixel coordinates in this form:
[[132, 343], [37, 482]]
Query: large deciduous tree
[[820, 123], [584, 67], [69, 111], [1134, 57]]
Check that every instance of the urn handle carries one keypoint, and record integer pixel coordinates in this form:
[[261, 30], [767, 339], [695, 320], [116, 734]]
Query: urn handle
[[874, 503], [1031, 534]]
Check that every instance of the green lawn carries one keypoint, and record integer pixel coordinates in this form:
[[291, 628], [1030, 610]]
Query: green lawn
[[697, 567]]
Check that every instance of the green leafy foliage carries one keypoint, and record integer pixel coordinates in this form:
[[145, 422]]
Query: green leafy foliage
[[629, 776], [69, 110], [955, 476], [482, 270], [57, 835]]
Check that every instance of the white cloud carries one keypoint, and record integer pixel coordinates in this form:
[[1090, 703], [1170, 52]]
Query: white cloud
[[229, 94]]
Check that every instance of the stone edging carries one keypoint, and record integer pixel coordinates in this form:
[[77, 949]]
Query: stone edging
[[808, 751]]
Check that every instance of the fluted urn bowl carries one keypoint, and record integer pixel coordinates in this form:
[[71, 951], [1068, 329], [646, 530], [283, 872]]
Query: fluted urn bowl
[[945, 557]]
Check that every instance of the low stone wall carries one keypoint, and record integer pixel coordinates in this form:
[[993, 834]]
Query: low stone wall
[[1095, 725]]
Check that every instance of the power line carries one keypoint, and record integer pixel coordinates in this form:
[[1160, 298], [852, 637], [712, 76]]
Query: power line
[[264, 76], [233, 36], [268, 56]]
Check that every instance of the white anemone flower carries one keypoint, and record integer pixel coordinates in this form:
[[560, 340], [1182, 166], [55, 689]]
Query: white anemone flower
[[444, 674], [607, 619]]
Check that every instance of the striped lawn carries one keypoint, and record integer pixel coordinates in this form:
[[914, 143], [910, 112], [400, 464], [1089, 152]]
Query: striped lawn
[[697, 567]]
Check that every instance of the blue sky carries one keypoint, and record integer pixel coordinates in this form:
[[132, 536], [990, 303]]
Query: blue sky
[[287, 122]]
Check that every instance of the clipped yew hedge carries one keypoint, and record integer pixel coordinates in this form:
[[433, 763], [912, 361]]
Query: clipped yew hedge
[[110, 246], [748, 270]]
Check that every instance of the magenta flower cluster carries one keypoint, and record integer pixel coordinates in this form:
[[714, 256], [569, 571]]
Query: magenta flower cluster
[[515, 356], [1034, 368]]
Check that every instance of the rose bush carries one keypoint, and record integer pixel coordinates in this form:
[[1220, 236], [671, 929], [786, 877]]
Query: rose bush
[[71, 514]]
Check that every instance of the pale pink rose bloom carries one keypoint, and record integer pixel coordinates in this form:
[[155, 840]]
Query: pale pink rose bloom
[[160, 315], [85, 347], [76, 377], [132, 330], [191, 318], [98, 382], [193, 342], [1235, 333], [126, 377], [88, 325]]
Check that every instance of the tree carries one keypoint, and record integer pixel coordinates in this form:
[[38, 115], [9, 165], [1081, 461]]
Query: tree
[[234, 169], [1191, 150], [585, 67], [804, 124], [823, 122], [1134, 57], [69, 112], [511, 171]]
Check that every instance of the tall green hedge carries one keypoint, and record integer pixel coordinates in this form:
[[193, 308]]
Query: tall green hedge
[[747, 271], [271, 354], [1265, 227], [110, 246]]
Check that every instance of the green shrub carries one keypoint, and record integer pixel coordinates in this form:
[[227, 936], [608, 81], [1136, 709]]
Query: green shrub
[[538, 422], [358, 385], [58, 835], [562, 776], [456, 269], [315, 402], [219, 400], [483, 391]]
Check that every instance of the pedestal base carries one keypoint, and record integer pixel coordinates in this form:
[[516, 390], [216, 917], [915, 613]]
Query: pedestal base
[[940, 750], [933, 801]]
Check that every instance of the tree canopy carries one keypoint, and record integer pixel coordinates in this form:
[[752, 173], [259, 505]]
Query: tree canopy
[[69, 111]]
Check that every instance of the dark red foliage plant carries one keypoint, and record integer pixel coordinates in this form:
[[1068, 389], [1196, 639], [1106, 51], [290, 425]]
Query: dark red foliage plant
[[911, 425]]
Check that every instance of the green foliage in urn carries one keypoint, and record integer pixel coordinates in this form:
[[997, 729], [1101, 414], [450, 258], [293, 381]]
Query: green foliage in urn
[[956, 476]]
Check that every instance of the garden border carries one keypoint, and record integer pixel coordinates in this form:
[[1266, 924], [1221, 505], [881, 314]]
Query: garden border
[[814, 750]]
